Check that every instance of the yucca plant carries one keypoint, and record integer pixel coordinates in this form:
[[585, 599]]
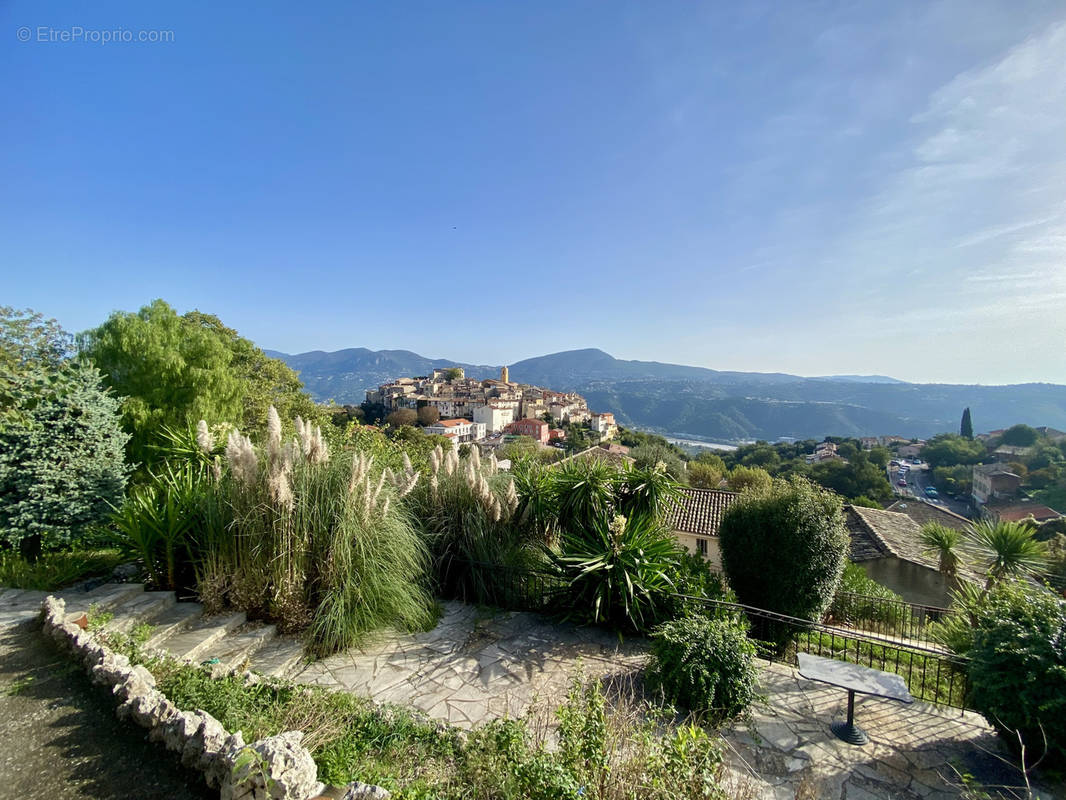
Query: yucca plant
[[619, 571], [945, 545], [1006, 549], [158, 518]]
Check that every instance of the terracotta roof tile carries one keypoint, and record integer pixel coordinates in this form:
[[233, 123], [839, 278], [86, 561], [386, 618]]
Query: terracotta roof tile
[[924, 513], [700, 510]]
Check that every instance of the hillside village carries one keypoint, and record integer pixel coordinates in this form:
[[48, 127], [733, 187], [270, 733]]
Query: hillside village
[[489, 411]]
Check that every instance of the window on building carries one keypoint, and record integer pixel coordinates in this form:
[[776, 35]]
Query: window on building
[[701, 545]]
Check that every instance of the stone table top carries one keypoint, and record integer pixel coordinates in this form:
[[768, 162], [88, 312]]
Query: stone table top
[[854, 678]]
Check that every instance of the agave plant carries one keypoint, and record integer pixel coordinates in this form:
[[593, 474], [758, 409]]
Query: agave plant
[[1007, 549]]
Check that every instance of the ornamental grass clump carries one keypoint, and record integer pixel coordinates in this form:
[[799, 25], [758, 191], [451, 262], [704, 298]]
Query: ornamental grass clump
[[312, 542], [466, 513]]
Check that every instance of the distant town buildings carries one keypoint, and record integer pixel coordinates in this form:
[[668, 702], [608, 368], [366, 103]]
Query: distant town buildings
[[536, 429], [458, 430], [471, 409]]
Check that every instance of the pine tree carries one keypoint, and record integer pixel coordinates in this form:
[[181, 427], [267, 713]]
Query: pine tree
[[966, 429], [62, 465]]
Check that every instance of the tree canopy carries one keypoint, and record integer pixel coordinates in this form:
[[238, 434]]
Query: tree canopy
[[966, 427], [173, 370], [1019, 436], [948, 449]]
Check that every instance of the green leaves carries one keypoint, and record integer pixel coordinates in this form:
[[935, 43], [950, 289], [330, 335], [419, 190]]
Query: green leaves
[[1007, 549], [784, 549], [704, 665]]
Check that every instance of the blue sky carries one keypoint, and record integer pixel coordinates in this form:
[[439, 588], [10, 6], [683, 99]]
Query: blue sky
[[813, 188]]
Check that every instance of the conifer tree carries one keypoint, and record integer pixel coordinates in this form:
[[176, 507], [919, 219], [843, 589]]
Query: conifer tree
[[966, 429]]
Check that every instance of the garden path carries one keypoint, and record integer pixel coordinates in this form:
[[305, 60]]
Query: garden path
[[477, 665]]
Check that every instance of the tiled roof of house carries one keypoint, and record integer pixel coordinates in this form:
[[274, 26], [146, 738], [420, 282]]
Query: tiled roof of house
[[451, 423], [877, 533], [700, 510], [599, 454], [1020, 511], [924, 513]]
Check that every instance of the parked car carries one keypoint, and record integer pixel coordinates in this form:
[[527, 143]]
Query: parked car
[[930, 491], [902, 481]]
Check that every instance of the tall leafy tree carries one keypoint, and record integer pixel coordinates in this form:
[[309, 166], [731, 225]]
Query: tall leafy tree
[[966, 428], [61, 445], [172, 370]]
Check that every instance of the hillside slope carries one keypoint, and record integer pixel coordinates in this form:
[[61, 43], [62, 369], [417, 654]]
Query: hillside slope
[[713, 404]]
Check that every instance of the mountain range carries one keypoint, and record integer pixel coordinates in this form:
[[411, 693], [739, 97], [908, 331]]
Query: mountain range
[[711, 404]]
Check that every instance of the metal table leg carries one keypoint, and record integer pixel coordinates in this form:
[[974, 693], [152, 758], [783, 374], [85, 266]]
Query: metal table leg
[[849, 731]]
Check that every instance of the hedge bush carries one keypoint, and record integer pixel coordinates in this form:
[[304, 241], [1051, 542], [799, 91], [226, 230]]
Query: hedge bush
[[704, 664], [784, 549]]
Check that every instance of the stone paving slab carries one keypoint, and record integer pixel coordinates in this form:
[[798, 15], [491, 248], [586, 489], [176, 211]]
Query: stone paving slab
[[475, 666]]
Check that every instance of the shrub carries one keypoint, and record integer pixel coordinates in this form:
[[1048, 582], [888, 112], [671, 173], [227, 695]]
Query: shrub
[[705, 665], [704, 476], [752, 478], [1017, 648], [62, 464], [784, 549], [860, 600]]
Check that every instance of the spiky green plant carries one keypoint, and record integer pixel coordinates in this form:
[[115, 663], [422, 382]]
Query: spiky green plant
[[1006, 549], [620, 572], [944, 544]]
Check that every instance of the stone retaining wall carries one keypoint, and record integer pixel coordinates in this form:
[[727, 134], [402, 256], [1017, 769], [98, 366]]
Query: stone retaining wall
[[275, 768]]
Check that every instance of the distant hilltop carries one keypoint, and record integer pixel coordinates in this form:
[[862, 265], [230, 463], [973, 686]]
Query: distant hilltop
[[711, 404]]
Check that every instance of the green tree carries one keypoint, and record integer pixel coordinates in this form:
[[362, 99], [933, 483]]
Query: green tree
[[453, 374], [401, 417], [966, 428], [1007, 550], [1019, 436], [945, 545], [703, 476], [61, 446], [265, 381], [648, 455], [712, 459], [173, 370], [784, 548], [947, 450], [855, 478], [741, 478], [428, 415]]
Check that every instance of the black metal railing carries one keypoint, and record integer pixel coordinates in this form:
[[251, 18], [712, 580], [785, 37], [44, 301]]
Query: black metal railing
[[933, 676], [886, 618], [515, 588]]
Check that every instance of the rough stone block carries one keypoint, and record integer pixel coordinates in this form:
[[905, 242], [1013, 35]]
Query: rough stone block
[[278, 768], [111, 670], [365, 791], [221, 764], [180, 730]]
